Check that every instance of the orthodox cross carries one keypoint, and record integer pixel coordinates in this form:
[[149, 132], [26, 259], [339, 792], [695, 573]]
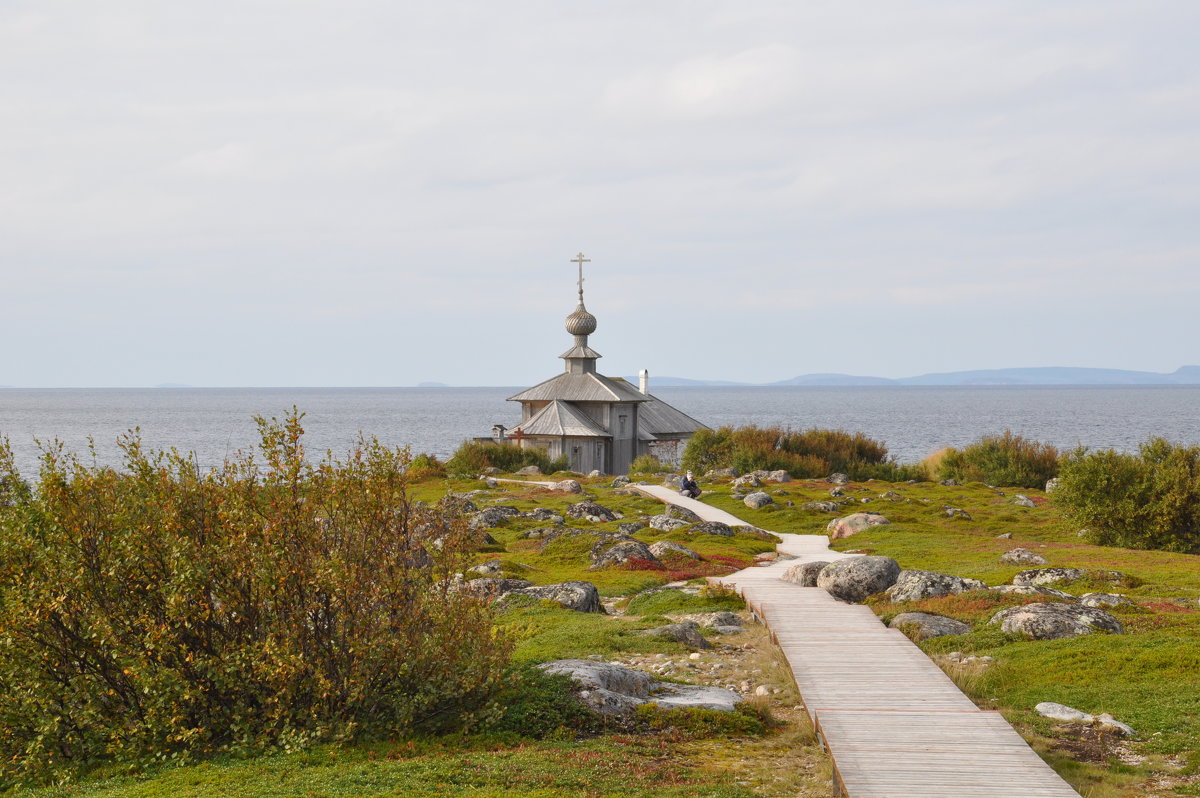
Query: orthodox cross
[[580, 260]]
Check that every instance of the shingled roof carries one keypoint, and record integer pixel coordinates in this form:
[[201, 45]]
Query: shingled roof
[[559, 418], [588, 387]]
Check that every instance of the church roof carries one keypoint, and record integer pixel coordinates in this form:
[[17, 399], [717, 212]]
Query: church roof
[[587, 387], [559, 418], [659, 418]]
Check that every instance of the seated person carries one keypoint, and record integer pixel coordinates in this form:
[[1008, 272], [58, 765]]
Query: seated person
[[688, 487]]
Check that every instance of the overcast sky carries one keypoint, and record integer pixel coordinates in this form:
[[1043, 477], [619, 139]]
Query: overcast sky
[[381, 193]]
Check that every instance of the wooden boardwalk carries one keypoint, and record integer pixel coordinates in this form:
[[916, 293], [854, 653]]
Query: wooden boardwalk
[[894, 724]]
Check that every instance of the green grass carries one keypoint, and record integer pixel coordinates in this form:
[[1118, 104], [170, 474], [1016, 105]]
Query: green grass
[[642, 767]]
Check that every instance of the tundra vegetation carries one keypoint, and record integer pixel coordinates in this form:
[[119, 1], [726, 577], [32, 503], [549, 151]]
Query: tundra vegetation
[[295, 543]]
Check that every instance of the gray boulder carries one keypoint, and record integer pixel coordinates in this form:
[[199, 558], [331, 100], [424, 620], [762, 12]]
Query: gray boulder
[[852, 524], [590, 509], [949, 483], [631, 527], [457, 504], [929, 625], [1052, 485], [686, 632], [713, 528], [748, 481], [1061, 712], [1023, 501], [913, 585], [682, 513], [578, 596], [1055, 621], [529, 471], [779, 476], [1049, 576], [1104, 600], [620, 553], [838, 479], [823, 507], [620, 482], [494, 516], [543, 514], [728, 473], [1021, 556], [958, 512], [664, 548], [493, 587], [616, 690], [713, 620], [567, 486], [1032, 590], [855, 578], [804, 574], [666, 523], [758, 500]]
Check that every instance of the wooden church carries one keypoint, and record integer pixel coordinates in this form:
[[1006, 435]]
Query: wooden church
[[600, 423]]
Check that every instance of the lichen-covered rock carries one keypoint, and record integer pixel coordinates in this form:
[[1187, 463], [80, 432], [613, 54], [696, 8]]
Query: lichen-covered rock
[[930, 625], [1023, 501], [620, 482], [1055, 621], [494, 516], [758, 500], [913, 585], [529, 471], [682, 513], [958, 512], [713, 528], [619, 553], [578, 596], [1032, 590], [838, 479], [1052, 485], [804, 574], [493, 587], [457, 504], [686, 632], [590, 509], [664, 548], [1049, 576], [1021, 556], [567, 486], [748, 481], [779, 476], [727, 473], [666, 523], [852, 524], [855, 578], [1104, 600], [949, 483], [543, 514], [630, 527], [615, 690], [712, 620], [823, 507]]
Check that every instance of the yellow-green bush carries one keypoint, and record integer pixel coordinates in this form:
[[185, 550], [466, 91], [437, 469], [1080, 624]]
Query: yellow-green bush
[[1007, 460], [474, 456], [162, 612], [1149, 500]]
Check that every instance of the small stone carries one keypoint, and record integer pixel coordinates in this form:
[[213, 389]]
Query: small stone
[[762, 690], [1005, 536], [1021, 556], [695, 655]]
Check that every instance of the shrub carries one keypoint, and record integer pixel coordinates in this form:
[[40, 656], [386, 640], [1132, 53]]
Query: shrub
[[474, 456], [537, 704], [425, 466], [161, 612], [1007, 460], [1149, 500], [647, 464], [809, 453]]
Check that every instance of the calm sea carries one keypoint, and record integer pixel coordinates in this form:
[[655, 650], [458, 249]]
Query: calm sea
[[912, 421]]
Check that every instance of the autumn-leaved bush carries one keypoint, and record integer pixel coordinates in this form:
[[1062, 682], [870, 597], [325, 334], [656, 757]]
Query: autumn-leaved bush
[[1007, 459], [803, 453], [474, 456], [1148, 500], [161, 612]]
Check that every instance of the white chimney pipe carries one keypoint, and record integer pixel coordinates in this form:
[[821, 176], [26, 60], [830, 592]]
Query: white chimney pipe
[[644, 378]]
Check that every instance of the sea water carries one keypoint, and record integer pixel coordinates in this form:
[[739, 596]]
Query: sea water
[[913, 421]]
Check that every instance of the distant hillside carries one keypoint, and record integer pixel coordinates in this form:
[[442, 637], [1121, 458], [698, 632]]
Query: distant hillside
[[1045, 375], [677, 382]]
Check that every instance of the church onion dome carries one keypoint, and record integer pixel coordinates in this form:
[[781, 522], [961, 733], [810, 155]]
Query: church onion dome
[[581, 322]]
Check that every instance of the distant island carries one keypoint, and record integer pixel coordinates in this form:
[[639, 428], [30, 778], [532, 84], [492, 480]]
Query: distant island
[[432, 385], [1042, 375]]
